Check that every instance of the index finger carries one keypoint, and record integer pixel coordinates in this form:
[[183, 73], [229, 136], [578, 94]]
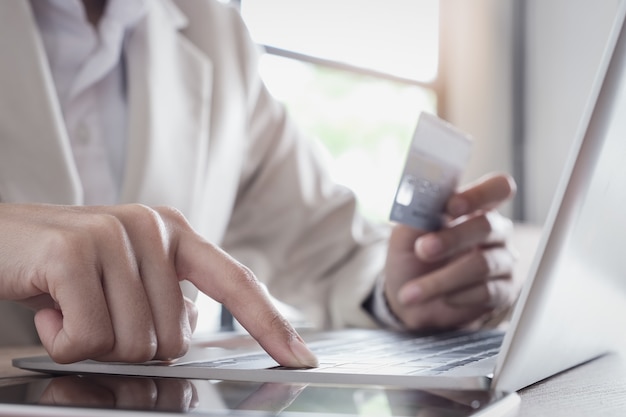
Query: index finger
[[222, 278], [486, 193]]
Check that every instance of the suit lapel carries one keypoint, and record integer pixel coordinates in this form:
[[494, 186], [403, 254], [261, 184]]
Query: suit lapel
[[169, 98], [168, 126], [36, 163]]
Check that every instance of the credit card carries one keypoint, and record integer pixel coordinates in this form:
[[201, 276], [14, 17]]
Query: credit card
[[436, 158]]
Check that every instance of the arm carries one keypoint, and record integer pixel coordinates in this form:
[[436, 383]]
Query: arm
[[304, 237], [105, 283], [298, 230]]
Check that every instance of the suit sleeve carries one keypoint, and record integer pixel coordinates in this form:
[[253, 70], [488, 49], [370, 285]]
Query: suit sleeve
[[299, 231]]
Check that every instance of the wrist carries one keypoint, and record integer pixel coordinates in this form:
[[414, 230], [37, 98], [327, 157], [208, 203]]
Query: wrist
[[381, 310]]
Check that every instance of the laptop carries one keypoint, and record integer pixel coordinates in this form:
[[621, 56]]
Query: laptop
[[570, 311]]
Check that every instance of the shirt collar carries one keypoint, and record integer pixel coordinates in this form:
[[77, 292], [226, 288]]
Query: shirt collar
[[125, 12]]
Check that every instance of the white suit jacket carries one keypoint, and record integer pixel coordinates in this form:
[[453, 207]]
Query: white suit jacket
[[205, 137]]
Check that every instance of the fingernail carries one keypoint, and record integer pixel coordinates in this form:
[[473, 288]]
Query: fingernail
[[305, 357], [428, 246], [457, 207], [409, 294]]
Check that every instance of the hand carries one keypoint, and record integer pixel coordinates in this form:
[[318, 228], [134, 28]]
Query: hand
[[120, 392], [459, 275], [160, 394], [105, 282]]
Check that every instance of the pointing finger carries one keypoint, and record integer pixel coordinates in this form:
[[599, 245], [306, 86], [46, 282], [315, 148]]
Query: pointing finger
[[222, 278]]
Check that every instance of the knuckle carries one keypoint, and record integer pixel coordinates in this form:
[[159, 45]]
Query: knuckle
[[63, 244], [98, 343], [276, 321], [179, 349], [172, 215], [499, 228], [139, 212], [141, 348], [243, 276], [247, 275], [105, 225], [147, 220], [240, 279], [274, 324], [147, 353], [174, 345], [483, 262]]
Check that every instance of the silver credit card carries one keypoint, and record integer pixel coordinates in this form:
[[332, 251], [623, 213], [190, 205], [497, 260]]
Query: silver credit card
[[436, 158]]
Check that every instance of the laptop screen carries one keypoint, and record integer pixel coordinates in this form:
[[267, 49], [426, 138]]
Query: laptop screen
[[575, 308]]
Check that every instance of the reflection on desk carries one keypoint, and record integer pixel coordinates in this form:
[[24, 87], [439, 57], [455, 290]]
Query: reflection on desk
[[597, 388], [98, 394]]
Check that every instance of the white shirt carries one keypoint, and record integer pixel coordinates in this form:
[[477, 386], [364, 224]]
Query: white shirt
[[87, 66]]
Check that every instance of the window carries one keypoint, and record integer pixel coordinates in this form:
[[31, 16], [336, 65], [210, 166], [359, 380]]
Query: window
[[395, 37], [354, 75]]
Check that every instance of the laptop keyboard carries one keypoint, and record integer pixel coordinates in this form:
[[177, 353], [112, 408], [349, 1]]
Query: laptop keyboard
[[387, 353], [403, 354]]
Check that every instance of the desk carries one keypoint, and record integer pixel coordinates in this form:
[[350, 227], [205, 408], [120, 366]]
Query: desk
[[597, 388]]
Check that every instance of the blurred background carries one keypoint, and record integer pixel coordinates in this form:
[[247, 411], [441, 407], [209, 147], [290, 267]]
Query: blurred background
[[515, 74], [355, 74]]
